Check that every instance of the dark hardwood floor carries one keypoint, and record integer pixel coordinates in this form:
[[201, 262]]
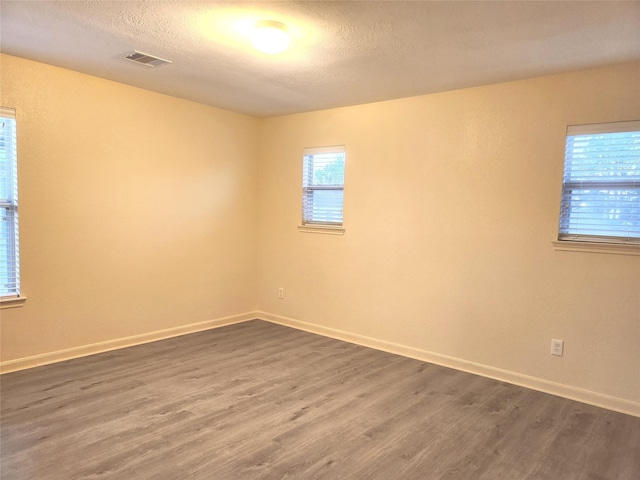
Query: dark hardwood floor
[[261, 401]]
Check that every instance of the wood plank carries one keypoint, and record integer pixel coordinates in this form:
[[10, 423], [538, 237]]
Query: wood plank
[[262, 401]]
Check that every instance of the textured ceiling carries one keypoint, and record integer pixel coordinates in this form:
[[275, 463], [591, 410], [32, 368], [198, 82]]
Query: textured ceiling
[[342, 53]]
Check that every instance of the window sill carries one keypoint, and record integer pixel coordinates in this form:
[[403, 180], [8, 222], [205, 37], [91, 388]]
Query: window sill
[[12, 302], [323, 229], [593, 247]]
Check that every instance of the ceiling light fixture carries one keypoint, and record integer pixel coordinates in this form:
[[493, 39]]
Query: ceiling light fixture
[[270, 37]]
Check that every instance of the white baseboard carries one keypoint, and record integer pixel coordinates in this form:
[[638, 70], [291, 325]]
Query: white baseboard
[[100, 347], [573, 393]]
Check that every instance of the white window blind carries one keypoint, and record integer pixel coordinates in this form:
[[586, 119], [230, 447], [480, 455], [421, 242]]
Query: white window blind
[[323, 186], [601, 184], [9, 256]]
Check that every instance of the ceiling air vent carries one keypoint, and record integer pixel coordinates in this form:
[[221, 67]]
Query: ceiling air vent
[[145, 59]]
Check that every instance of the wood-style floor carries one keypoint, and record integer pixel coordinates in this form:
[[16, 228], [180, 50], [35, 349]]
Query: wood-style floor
[[261, 401]]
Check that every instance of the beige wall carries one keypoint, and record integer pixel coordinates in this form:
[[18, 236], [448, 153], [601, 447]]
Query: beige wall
[[451, 205], [138, 210], [142, 212]]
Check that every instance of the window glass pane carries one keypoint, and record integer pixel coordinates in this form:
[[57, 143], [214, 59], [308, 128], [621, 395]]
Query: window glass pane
[[324, 206], [7, 160], [8, 271], [327, 169], [601, 185], [603, 212], [607, 156]]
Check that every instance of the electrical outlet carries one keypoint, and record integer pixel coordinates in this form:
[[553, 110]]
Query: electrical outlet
[[281, 292], [556, 347]]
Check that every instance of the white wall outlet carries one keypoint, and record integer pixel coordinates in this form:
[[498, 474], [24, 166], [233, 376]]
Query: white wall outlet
[[281, 292], [557, 346]]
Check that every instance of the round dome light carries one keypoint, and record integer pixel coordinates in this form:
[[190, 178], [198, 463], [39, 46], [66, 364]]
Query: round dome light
[[270, 37]]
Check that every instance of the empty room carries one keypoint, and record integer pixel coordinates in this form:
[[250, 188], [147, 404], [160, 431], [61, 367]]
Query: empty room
[[320, 240]]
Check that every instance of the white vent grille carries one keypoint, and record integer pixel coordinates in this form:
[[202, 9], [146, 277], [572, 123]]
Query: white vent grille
[[146, 59]]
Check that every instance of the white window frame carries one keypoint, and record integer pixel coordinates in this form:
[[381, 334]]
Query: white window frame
[[583, 234], [309, 187], [9, 238]]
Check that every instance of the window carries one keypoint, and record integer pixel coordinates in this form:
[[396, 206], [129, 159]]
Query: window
[[601, 185], [323, 186], [9, 258]]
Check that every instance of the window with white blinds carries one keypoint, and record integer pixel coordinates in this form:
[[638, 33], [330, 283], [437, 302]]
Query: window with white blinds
[[601, 184], [323, 186], [9, 258]]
